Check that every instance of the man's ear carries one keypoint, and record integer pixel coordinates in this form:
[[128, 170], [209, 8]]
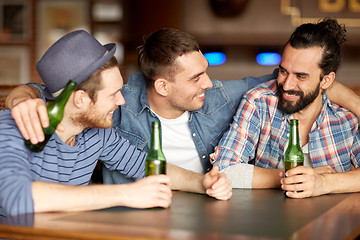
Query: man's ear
[[161, 86], [81, 98], [327, 80]]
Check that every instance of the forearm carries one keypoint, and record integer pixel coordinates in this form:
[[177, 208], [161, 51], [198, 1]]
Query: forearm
[[65, 198], [185, 180], [342, 182], [20, 94], [266, 178], [344, 96]]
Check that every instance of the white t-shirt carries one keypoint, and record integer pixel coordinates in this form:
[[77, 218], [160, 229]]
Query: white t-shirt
[[307, 160], [177, 143]]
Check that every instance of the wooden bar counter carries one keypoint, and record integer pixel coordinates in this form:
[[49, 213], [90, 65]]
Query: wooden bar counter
[[250, 214]]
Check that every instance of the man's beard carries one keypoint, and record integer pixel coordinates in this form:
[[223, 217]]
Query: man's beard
[[92, 119], [288, 107]]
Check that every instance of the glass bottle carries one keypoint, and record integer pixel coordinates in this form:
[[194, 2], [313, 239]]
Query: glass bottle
[[155, 161], [55, 111], [293, 155]]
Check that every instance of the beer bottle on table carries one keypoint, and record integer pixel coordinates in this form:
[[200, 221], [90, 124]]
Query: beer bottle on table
[[155, 161], [293, 155], [55, 110]]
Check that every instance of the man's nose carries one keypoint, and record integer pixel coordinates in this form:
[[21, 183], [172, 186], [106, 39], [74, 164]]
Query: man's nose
[[207, 82], [289, 83], [120, 100]]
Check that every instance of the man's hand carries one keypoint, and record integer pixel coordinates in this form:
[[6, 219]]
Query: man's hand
[[327, 169], [302, 182], [217, 185], [30, 116], [152, 191]]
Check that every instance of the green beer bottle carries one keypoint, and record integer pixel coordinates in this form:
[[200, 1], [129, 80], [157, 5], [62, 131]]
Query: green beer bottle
[[155, 161], [55, 111], [293, 155]]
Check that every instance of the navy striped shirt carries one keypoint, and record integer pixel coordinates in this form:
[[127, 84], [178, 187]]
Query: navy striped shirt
[[58, 162]]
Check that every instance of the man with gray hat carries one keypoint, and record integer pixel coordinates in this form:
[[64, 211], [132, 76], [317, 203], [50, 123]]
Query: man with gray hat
[[55, 179]]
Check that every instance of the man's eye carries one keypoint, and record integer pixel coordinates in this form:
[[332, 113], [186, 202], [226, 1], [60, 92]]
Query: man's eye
[[301, 76]]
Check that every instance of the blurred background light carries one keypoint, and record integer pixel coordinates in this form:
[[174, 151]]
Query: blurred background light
[[215, 58], [268, 58]]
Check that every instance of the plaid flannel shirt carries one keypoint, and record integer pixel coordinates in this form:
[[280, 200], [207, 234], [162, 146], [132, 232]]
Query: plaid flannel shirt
[[260, 132]]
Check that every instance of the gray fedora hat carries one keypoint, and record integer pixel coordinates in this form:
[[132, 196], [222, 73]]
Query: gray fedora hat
[[75, 56]]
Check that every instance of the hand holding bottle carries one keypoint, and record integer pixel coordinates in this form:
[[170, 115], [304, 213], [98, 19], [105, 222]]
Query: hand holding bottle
[[149, 192], [55, 112], [302, 182], [31, 117]]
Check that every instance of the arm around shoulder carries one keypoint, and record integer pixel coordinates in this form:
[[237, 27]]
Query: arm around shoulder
[[29, 112], [345, 97], [20, 94]]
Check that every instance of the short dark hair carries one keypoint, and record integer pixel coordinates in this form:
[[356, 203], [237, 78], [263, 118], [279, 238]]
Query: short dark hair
[[94, 83], [327, 34], [158, 53]]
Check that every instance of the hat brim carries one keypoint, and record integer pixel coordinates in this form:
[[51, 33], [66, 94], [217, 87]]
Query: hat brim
[[111, 48]]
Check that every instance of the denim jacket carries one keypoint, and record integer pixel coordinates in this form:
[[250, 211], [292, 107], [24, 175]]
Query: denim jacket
[[207, 125]]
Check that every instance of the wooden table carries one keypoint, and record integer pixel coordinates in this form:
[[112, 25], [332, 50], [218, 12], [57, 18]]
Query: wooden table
[[250, 214]]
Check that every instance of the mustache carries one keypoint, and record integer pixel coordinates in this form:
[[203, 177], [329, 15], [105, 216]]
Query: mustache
[[292, 92]]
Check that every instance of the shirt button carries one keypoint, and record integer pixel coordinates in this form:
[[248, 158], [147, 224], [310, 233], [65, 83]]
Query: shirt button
[[194, 134], [203, 156]]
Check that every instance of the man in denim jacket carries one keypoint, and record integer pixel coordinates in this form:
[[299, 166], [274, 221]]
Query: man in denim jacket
[[174, 89], [207, 124]]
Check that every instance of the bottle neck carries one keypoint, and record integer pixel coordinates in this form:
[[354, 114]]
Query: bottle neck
[[294, 138], [155, 137], [62, 99]]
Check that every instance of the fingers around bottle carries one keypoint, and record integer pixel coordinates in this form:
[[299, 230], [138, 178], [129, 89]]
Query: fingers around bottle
[[35, 126], [43, 115], [293, 171], [19, 122], [27, 119], [163, 179], [297, 194]]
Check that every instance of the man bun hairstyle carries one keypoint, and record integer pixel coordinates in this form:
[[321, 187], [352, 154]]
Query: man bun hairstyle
[[327, 34]]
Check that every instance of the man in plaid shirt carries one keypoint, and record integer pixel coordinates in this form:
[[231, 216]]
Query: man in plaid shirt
[[329, 134]]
